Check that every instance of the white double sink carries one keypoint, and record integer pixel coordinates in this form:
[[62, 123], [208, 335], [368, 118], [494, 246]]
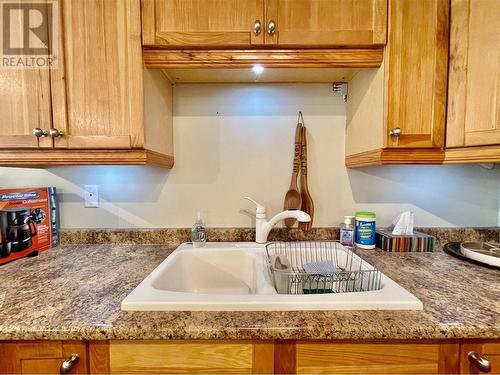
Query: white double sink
[[236, 277]]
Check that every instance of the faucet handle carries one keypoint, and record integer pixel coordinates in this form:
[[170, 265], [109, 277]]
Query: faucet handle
[[261, 210]]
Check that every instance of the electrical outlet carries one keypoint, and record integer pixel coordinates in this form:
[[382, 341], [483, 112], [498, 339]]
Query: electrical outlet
[[91, 196]]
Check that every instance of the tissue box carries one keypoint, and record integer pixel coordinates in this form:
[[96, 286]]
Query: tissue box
[[417, 242]]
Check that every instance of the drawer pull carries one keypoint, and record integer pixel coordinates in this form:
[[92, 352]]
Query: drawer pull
[[481, 363], [68, 364]]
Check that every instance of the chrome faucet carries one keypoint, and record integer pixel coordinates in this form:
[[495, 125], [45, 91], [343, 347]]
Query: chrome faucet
[[263, 227]]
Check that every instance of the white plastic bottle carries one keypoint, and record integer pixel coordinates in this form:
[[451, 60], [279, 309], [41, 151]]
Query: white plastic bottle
[[198, 235], [347, 232]]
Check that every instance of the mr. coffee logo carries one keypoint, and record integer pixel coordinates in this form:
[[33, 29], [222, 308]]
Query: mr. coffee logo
[[16, 196], [29, 34]]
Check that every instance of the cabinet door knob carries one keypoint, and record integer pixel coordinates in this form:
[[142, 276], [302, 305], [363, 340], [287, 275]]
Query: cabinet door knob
[[53, 132], [257, 27], [37, 132], [479, 362], [68, 364], [271, 27], [395, 132]]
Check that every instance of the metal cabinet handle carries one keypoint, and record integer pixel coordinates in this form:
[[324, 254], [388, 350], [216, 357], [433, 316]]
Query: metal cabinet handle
[[271, 27], [257, 27], [53, 132], [481, 363], [37, 132], [395, 132], [68, 364]]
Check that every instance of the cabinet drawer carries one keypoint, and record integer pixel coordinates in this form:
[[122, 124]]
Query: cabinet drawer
[[181, 357]]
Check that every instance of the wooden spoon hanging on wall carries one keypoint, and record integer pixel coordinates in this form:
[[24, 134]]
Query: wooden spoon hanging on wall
[[307, 202], [293, 199]]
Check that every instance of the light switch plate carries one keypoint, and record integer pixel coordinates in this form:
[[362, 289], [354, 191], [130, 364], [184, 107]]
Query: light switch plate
[[91, 196]]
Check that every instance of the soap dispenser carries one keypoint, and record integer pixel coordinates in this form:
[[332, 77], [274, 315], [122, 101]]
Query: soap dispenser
[[198, 235], [347, 232]]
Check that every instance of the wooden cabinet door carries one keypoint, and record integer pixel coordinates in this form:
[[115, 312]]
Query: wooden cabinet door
[[312, 23], [214, 23], [98, 92], [474, 82], [489, 350], [416, 64], [24, 105], [41, 357]]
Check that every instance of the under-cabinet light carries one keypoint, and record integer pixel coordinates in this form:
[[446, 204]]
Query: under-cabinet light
[[258, 69]]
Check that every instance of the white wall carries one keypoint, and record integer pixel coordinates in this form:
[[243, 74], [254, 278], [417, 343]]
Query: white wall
[[236, 140]]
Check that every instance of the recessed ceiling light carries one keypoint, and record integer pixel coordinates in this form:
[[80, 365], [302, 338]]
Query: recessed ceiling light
[[258, 69]]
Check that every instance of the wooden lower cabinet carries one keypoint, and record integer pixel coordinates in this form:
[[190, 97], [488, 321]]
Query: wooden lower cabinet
[[484, 350], [42, 357], [246, 356]]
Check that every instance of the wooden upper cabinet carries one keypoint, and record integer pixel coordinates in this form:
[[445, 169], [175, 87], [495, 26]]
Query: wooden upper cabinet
[[97, 90], [210, 23], [397, 114], [416, 72], [25, 105], [317, 23], [24, 95], [474, 82]]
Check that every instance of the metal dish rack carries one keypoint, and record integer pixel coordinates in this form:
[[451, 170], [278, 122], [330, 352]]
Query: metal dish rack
[[352, 275]]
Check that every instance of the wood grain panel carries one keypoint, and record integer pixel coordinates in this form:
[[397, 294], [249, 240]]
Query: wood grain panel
[[482, 154], [40, 349], [99, 357], [376, 358], [45, 158], [180, 357], [328, 22], [179, 23], [416, 67], [395, 156], [263, 357], [285, 357], [41, 366], [148, 19], [309, 58], [474, 82], [102, 81]]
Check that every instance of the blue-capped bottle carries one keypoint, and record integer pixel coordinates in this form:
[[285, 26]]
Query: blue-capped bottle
[[198, 235]]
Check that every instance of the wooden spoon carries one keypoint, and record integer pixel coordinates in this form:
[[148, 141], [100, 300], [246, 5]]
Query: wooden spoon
[[307, 202], [293, 200]]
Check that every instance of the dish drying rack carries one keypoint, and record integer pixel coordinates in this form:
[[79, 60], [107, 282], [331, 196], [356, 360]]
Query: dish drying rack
[[352, 274]]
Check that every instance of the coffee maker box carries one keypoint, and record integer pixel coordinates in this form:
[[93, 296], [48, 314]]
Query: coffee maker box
[[29, 222]]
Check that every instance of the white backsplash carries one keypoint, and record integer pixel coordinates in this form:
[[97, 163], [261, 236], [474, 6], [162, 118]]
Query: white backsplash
[[235, 140]]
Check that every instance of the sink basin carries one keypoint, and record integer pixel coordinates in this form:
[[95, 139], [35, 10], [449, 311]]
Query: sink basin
[[235, 276]]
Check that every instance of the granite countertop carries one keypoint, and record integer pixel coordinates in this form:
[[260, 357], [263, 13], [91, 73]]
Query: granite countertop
[[74, 292]]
